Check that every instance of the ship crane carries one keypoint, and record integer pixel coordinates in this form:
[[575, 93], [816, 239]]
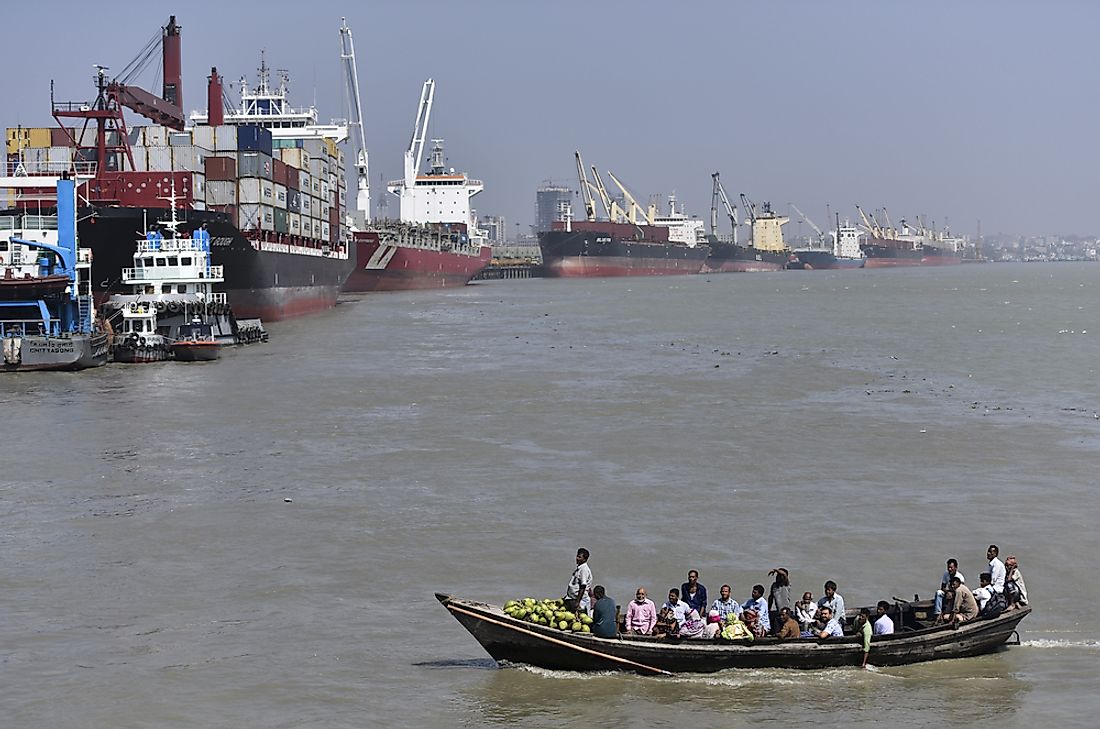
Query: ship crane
[[634, 206], [750, 208], [614, 213], [820, 233], [890, 224], [362, 174], [871, 228], [586, 190], [415, 153], [719, 193]]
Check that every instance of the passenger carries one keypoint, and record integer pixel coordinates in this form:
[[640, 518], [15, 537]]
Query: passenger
[[576, 593], [779, 595], [693, 593], [726, 605], [952, 570], [863, 629], [996, 568], [788, 626], [603, 614], [833, 601], [948, 614], [692, 626], [883, 625], [641, 614], [966, 607], [666, 623], [679, 608], [760, 605], [714, 623], [735, 629], [805, 610], [831, 627], [984, 590], [752, 622], [1015, 592]]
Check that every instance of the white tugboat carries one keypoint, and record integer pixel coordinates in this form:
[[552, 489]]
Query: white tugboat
[[173, 302]]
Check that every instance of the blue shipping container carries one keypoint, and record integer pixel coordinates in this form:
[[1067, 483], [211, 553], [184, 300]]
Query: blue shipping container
[[253, 139]]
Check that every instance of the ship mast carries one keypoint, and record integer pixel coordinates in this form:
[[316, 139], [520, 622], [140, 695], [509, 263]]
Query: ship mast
[[347, 55]]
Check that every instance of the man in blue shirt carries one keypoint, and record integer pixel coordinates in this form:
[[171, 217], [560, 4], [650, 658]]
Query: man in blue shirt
[[693, 593], [603, 614], [760, 605], [833, 601]]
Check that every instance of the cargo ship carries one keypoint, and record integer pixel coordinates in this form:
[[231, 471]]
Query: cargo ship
[[726, 256], [886, 247], [266, 180], [436, 242], [634, 242]]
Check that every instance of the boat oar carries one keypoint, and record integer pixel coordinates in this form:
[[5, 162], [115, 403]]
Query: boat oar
[[556, 641]]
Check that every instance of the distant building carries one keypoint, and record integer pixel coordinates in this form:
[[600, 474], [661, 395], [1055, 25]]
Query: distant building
[[495, 227], [553, 203]]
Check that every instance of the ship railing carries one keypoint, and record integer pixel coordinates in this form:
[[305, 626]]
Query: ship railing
[[43, 168], [28, 222], [172, 273], [144, 245], [28, 327], [84, 256], [218, 297]]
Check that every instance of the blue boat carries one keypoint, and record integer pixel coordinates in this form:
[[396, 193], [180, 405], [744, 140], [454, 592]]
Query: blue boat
[[47, 315]]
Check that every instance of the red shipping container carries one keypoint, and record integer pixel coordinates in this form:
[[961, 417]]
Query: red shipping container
[[279, 172], [60, 138], [291, 177], [220, 168]]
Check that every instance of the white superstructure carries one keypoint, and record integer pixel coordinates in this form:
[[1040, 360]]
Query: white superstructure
[[681, 229]]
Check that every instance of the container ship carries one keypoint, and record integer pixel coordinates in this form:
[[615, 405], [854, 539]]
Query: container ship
[[265, 180], [886, 247], [436, 242], [631, 242]]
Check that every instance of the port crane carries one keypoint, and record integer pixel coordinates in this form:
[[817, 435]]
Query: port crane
[[586, 190], [871, 227], [750, 208], [634, 206], [614, 213], [820, 233], [362, 174], [719, 193]]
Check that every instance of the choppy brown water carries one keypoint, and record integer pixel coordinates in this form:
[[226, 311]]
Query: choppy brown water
[[854, 425]]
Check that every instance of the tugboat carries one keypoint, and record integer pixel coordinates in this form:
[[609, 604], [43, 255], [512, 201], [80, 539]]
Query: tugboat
[[195, 342], [47, 315], [172, 299]]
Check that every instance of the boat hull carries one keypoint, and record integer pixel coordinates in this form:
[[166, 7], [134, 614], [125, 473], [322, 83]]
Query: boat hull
[[267, 279], [821, 260], [728, 258], [889, 256], [73, 352], [932, 256], [395, 267], [196, 351], [517, 641], [593, 253]]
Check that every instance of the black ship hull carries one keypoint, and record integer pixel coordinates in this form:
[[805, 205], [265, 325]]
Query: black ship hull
[[879, 255], [265, 279], [590, 253], [730, 258]]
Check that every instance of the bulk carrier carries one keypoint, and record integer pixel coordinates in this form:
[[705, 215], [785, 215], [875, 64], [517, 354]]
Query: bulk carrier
[[631, 242], [266, 180], [767, 252], [436, 242]]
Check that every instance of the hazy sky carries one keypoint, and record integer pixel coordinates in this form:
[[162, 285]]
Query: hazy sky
[[954, 110]]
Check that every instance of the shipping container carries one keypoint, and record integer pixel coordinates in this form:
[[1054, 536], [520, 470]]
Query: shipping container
[[286, 143], [189, 159], [248, 191], [316, 187], [179, 139], [304, 181], [307, 227], [222, 192], [60, 154], [326, 232], [160, 158], [295, 157], [280, 196], [156, 136], [330, 146], [307, 205], [221, 167], [281, 225], [267, 217], [225, 138], [203, 136], [294, 223], [248, 217], [61, 137], [324, 189], [198, 186], [278, 171], [294, 201], [140, 155], [136, 136], [291, 177], [254, 164], [253, 139], [267, 192], [198, 205]]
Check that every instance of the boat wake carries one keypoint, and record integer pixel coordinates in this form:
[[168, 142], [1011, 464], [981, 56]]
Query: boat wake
[[1051, 643]]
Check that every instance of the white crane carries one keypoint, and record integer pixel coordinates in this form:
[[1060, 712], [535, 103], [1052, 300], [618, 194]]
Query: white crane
[[820, 233], [614, 213], [362, 174], [634, 206], [586, 190], [719, 192], [415, 153]]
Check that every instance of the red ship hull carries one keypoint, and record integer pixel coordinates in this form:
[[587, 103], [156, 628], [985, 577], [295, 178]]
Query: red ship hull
[[585, 267], [741, 266], [393, 267]]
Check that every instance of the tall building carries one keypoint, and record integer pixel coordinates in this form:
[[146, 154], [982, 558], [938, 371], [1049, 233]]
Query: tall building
[[553, 203], [495, 227]]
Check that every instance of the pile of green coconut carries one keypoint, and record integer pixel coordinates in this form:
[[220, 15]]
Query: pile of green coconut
[[551, 613]]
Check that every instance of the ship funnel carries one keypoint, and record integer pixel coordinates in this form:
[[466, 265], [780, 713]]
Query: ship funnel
[[172, 64], [215, 111]]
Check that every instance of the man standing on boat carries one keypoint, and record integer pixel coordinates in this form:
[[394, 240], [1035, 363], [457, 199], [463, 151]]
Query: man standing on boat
[[996, 568], [576, 593]]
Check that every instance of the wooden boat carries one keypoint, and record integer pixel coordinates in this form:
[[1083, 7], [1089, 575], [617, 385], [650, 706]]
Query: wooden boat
[[917, 639]]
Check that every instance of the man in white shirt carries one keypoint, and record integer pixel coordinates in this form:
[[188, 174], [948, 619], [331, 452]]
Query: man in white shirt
[[996, 568], [760, 605], [884, 625], [576, 593], [832, 627], [679, 608]]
